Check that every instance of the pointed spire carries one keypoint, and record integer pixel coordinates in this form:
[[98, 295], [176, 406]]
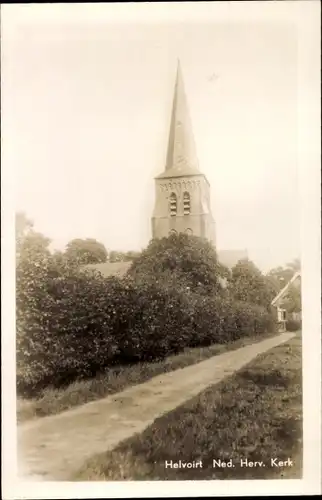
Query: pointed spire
[[181, 154]]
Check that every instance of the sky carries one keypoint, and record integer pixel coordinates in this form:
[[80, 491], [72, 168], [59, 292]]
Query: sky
[[88, 107]]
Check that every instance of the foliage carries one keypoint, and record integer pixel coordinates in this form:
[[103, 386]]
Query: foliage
[[117, 378], [280, 276], [28, 241], [86, 251], [293, 325], [182, 261], [292, 301], [248, 284], [22, 225], [72, 322]]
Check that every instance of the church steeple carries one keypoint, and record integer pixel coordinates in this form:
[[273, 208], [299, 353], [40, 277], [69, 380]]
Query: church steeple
[[182, 201], [181, 156]]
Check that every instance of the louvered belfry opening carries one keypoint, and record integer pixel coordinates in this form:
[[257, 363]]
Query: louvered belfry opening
[[186, 203], [173, 204]]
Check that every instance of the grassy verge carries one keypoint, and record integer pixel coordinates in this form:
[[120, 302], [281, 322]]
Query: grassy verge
[[53, 401], [255, 414]]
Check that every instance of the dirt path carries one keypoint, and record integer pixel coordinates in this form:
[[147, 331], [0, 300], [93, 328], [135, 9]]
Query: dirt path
[[51, 448]]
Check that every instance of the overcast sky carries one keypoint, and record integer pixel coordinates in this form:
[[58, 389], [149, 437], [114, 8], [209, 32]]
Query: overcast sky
[[87, 118]]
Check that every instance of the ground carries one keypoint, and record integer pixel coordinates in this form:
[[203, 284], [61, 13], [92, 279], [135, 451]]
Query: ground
[[115, 379], [255, 415], [57, 447]]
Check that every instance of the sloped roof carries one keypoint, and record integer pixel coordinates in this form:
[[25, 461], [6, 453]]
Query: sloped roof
[[281, 295], [181, 153], [229, 258]]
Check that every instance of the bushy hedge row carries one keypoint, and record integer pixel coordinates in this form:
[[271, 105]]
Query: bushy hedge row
[[72, 324]]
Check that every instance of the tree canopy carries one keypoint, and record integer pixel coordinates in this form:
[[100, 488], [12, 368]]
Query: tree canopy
[[23, 225], [248, 284], [86, 251], [184, 261], [292, 300], [280, 276], [29, 243]]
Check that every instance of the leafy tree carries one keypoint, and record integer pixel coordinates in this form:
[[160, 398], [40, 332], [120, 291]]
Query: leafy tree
[[86, 251], [22, 225], [280, 276], [292, 301], [248, 284], [29, 243], [116, 256], [182, 261]]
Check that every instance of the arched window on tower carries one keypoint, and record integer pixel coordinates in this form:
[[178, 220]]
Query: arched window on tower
[[173, 204], [186, 203]]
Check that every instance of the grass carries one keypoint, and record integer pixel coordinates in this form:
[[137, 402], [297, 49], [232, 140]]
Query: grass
[[255, 414], [53, 401]]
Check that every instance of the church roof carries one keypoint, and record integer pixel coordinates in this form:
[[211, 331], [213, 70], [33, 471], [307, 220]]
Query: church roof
[[181, 157], [228, 258]]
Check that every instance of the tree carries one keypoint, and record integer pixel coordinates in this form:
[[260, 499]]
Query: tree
[[86, 251], [29, 243], [295, 265], [182, 261], [116, 256], [292, 301], [280, 276], [22, 225], [34, 244], [248, 284]]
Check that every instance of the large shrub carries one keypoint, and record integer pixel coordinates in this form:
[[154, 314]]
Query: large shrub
[[61, 323], [181, 261], [73, 323], [221, 320], [248, 284], [293, 325]]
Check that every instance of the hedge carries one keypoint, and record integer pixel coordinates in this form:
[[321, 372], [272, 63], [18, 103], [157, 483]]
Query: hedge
[[72, 324], [293, 325]]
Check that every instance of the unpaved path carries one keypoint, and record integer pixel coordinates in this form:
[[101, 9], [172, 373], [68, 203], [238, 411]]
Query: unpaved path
[[51, 448]]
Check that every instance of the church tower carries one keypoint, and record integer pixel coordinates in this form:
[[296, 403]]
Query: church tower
[[182, 197]]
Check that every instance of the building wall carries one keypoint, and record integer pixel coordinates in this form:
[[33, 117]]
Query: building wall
[[199, 222]]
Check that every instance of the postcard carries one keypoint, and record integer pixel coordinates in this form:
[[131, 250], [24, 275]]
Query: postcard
[[161, 265]]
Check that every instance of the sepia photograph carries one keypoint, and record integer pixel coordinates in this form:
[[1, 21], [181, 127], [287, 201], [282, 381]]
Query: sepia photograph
[[158, 244]]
